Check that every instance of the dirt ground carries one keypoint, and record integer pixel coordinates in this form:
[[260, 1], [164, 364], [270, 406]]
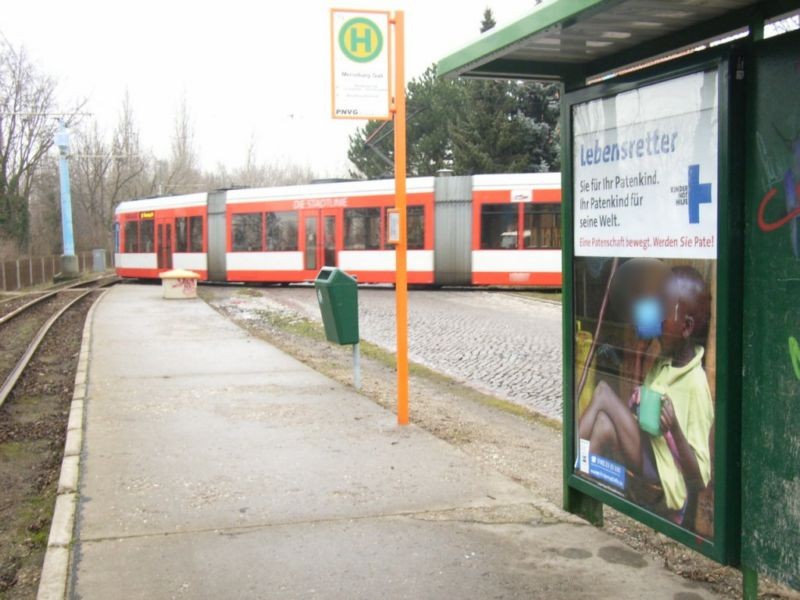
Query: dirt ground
[[33, 423], [504, 436]]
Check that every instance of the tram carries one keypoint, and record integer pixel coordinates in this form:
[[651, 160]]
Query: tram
[[498, 230]]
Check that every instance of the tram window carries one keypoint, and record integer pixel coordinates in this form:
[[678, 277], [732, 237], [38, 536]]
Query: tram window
[[499, 226], [132, 236], [415, 227], [181, 239], [147, 236], [195, 234], [362, 228], [247, 235], [543, 226], [282, 231]]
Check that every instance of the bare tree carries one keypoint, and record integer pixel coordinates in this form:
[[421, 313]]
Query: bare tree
[[130, 177], [182, 173], [254, 173], [106, 173], [44, 206], [27, 101], [91, 163]]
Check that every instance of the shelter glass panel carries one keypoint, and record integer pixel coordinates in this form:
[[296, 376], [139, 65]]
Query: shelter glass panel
[[644, 291]]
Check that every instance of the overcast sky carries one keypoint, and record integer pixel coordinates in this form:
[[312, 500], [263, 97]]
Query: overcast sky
[[247, 69]]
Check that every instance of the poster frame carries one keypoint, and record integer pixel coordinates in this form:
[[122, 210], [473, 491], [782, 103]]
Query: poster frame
[[582, 496]]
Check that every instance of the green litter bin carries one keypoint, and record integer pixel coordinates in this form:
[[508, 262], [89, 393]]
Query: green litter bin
[[337, 294]]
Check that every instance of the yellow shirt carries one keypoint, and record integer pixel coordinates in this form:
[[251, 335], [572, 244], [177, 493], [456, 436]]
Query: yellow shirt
[[687, 387]]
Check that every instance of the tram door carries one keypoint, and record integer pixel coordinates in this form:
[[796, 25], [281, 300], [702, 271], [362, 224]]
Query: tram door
[[311, 253], [164, 244], [320, 240], [329, 222]]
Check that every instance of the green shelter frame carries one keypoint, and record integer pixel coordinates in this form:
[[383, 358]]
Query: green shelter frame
[[598, 48]]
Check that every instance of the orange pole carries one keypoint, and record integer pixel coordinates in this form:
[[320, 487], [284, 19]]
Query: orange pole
[[401, 279]]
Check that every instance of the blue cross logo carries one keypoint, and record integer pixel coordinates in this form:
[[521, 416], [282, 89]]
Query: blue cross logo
[[699, 193]]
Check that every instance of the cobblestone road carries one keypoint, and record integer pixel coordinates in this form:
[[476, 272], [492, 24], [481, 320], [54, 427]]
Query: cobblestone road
[[498, 342]]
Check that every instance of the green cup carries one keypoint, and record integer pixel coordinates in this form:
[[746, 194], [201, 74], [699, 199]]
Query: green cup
[[650, 410]]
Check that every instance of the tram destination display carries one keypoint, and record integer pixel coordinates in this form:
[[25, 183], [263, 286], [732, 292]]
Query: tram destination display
[[645, 212]]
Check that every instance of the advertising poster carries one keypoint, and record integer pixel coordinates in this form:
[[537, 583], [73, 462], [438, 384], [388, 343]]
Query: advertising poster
[[645, 248]]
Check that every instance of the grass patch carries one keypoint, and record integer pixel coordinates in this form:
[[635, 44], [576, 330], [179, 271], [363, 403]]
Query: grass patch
[[542, 295], [36, 514], [303, 327], [294, 325], [248, 292], [13, 450]]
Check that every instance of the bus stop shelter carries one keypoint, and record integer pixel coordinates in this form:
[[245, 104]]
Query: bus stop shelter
[[680, 137]]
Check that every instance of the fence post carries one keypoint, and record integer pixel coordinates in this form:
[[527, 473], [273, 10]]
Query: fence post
[[3, 274], [30, 269], [19, 279]]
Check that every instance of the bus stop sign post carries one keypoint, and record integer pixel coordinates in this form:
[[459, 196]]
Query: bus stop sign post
[[362, 87], [401, 282]]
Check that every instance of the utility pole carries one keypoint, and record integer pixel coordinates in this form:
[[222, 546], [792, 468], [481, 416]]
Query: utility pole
[[69, 262]]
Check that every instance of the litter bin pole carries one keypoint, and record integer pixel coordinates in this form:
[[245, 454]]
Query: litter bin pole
[[357, 365]]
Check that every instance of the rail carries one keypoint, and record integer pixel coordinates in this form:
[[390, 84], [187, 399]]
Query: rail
[[55, 290], [16, 372]]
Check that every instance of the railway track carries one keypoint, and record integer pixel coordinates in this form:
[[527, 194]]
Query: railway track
[[24, 326], [11, 307], [39, 348]]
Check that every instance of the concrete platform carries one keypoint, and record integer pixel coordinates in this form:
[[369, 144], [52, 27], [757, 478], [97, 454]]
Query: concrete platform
[[215, 466]]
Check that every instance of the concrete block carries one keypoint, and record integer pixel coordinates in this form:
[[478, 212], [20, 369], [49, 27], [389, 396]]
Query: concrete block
[[72, 447], [53, 583], [80, 378], [63, 521], [68, 481], [75, 416]]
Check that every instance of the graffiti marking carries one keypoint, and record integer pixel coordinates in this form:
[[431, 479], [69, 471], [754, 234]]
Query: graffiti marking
[[794, 355], [768, 227]]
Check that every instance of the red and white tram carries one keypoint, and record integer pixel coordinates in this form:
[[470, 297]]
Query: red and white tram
[[471, 230]]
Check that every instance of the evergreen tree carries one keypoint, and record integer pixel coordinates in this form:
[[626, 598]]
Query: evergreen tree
[[470, 126], [431, 105]]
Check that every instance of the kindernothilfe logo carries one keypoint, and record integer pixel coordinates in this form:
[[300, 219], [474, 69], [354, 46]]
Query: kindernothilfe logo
[[361, 40]]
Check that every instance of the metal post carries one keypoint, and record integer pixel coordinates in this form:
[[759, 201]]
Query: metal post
[[749, 583], [357, 365], [69, 266], [19, 277], [401, 280]]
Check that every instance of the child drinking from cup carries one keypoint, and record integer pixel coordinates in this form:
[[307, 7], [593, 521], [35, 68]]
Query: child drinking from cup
[[674, 457]]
